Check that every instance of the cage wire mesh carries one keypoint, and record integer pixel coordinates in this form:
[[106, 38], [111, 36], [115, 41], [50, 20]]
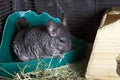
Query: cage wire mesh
[[83, 16], [75, 13], [5, 10]]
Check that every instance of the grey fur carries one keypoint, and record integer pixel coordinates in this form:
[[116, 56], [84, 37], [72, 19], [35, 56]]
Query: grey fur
[[41, 41]]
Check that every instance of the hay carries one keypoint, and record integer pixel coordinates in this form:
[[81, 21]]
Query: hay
[[74, 71]]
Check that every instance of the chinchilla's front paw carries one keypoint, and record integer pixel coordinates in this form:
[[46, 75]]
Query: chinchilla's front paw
[[58, 54]]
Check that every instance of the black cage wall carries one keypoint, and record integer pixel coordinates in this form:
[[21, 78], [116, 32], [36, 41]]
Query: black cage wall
[[83, 16]]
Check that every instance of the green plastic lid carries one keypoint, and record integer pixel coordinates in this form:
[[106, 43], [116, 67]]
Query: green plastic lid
[[8, 67]]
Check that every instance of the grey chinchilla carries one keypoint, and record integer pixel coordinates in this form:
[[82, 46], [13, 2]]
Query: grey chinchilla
[[41, 41]]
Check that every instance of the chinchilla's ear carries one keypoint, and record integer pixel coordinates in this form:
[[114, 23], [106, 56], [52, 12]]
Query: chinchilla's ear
[[64, 21], [52, 28], [22, 23]]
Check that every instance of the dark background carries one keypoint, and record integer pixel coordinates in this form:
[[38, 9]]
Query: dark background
[[83, 16]]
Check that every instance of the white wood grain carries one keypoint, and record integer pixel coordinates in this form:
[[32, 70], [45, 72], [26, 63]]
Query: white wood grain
[[102, 64]]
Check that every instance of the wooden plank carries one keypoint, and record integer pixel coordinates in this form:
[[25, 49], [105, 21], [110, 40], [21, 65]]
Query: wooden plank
[[102, 78], [105, 55], [102, 64]]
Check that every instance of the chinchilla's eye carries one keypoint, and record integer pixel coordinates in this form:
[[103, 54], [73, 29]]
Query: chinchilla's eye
[[63, 40]]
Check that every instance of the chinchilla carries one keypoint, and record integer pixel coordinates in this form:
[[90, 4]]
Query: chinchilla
[[52, 40]]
